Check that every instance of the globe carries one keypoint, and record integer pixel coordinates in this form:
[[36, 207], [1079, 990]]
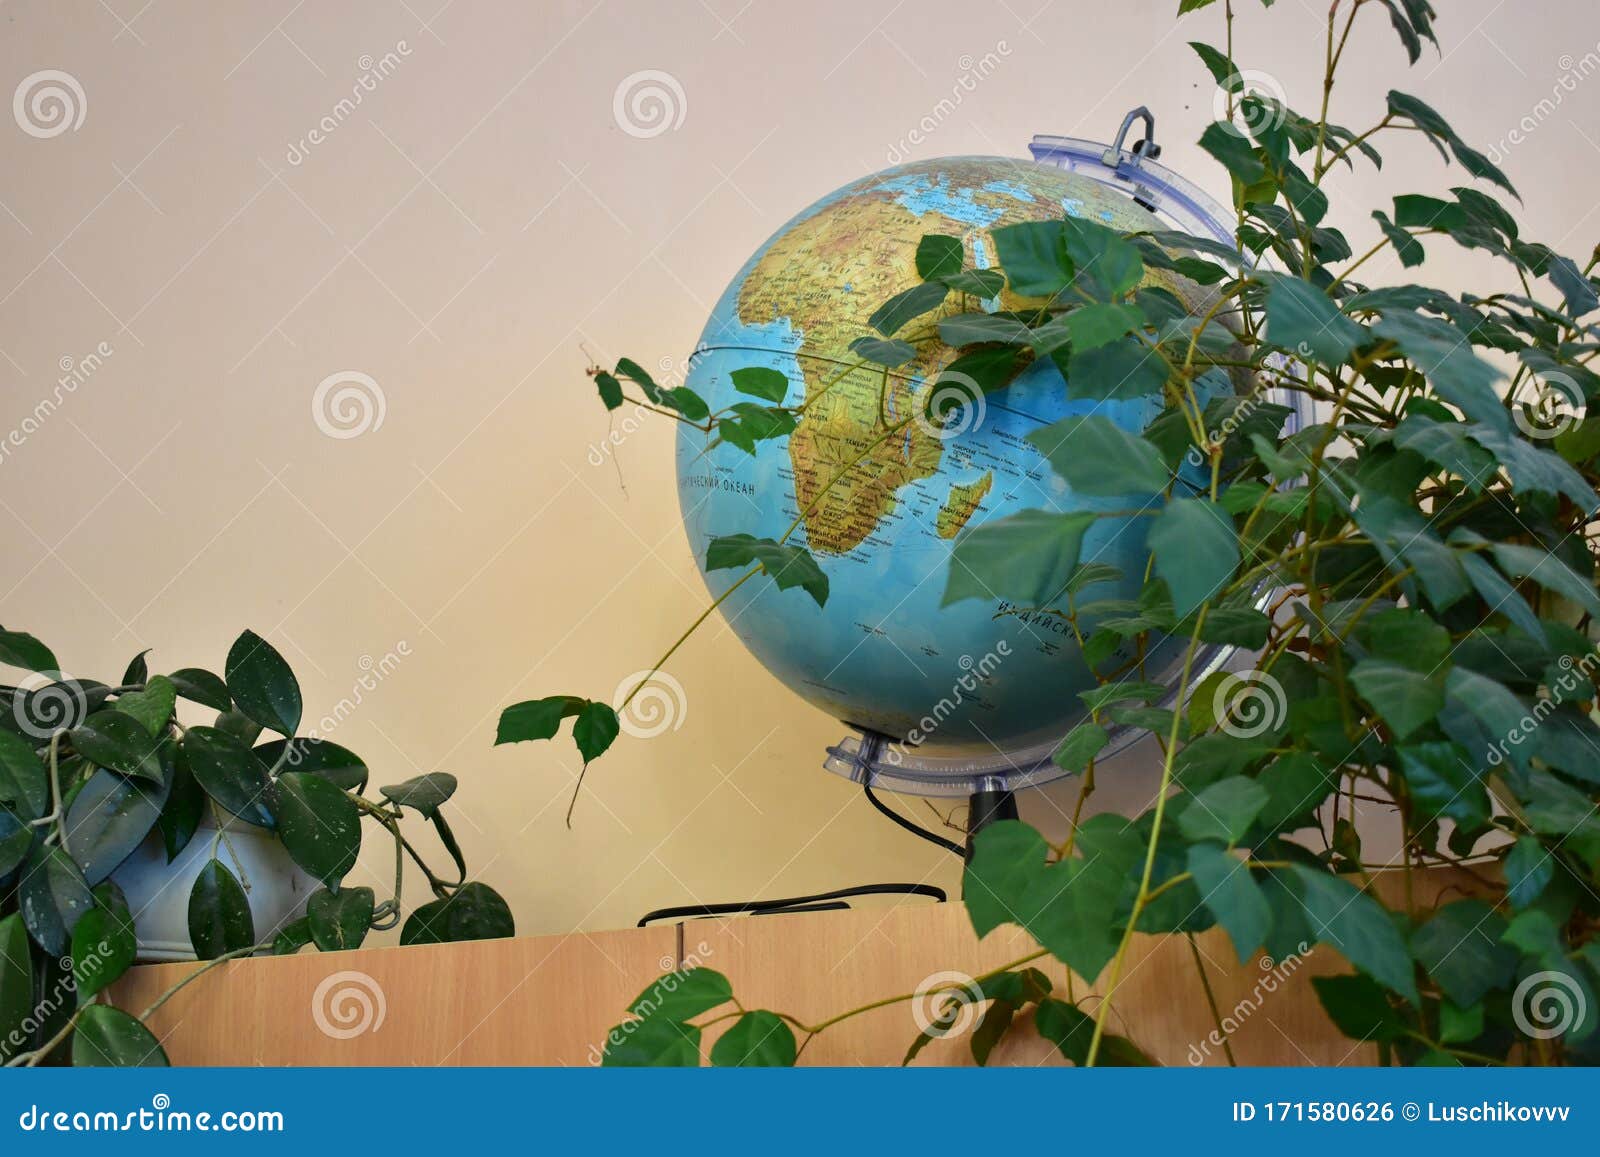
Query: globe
[[883, 654]]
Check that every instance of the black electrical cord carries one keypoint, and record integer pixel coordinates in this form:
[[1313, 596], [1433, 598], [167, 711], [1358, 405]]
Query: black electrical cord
[[821, 902], [914, 829]]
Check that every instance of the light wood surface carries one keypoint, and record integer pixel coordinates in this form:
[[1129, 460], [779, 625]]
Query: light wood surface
[[551, 1000]]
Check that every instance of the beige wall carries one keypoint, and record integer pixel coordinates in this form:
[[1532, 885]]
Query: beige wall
[[457, 237]]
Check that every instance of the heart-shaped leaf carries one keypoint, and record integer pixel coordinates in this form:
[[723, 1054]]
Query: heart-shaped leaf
[[319, 825], [339, 920], [219, 913], [338, 765], [474, 912], [108, 819], [53, 898], [262, 685], [200, 686], [152, 707], [108, 1036], [425, 793], [229, 772]]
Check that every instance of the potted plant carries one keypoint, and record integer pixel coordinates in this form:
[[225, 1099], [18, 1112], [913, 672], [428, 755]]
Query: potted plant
[[1428, 539], [127, 834]]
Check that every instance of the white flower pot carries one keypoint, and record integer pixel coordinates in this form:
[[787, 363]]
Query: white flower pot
[[158, 892]]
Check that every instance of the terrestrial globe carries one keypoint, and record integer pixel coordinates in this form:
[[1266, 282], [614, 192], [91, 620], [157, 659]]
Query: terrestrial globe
[[951, 696]]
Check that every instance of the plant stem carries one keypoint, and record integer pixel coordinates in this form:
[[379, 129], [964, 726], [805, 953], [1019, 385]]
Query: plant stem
[[201, 971], [1211, 998]]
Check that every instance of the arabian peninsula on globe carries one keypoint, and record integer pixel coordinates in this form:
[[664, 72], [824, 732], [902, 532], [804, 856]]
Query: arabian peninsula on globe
[[977, 675]]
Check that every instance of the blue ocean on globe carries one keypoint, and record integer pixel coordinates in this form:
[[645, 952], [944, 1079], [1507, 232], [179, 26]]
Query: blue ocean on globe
[[979, 675]]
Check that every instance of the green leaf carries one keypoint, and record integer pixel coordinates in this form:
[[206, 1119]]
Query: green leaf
[[425, 793], [1406, 699], [973, 328], [1577, 291], [678, 996], [108, 818], [53, 897], [1529, 868], [890, 317], [109, 1037], [1099, 458], [16, 987], [24, 781], [1443, 782], [337, 765], [1027, 558], [938, 256], [117, 742], [757, 1039], [1101, 324], [1406, 247], [1232, 895], [1081, 744], [1007, 858], [1304, 320], [688, 403], [292, 937], [219, 913], [1120, 371], [319, 825], [1455, 373], [474, 912], [339, 920], [229, 772], [262, 684], [1404, 107], [1359, 1007], [595, 730], [639, 376], [1460, 947], [1067, 1027], [788, 566], [986, 284], [609, 388], [1223, 811], [1543, 567], [20, 649], [153, 706], [1357, 925], [1219, 65], [1196, 551], [537, 718], [654, 1043], [761, 382], [1034, 257], [1106, 265], [1235, 153], [968, 377], [202, 687], [882, 351]]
